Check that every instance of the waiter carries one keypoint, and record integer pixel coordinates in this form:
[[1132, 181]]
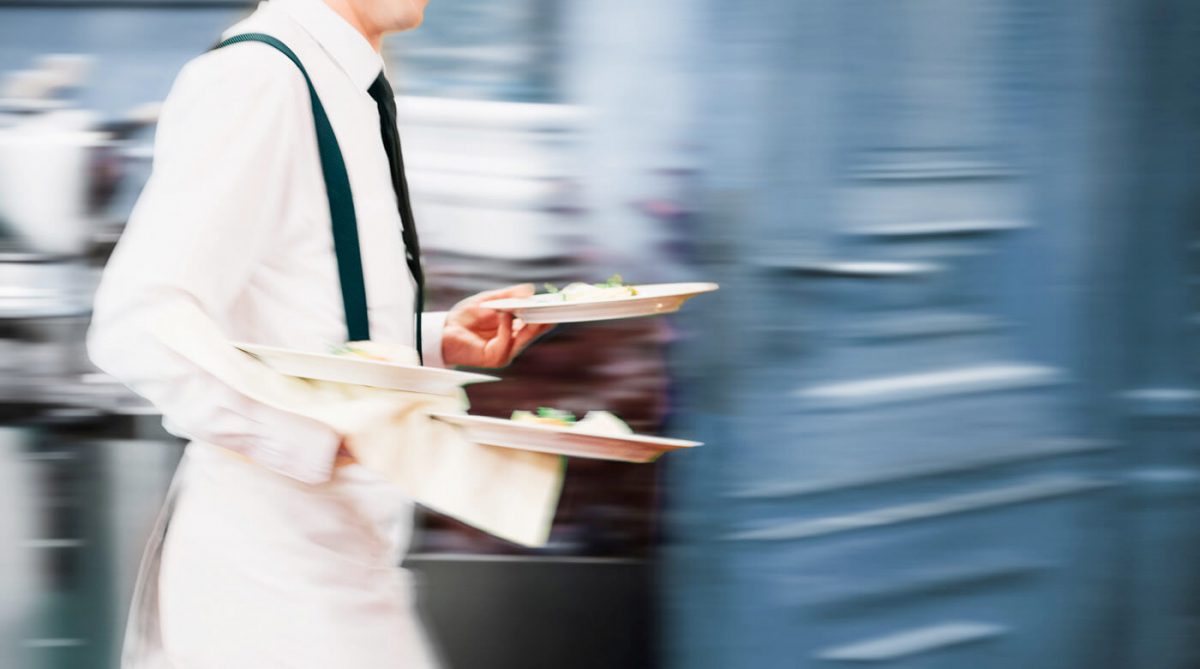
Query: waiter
[[278, 205]]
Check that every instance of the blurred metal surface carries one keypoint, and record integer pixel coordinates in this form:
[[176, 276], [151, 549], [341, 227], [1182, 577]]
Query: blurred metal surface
[[935, 291], [18, 565], [83, 503]]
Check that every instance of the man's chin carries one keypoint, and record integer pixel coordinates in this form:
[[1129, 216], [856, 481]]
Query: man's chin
[[413, 18], [407, 24]]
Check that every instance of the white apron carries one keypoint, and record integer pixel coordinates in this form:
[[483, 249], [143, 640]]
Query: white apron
[[251, 569]]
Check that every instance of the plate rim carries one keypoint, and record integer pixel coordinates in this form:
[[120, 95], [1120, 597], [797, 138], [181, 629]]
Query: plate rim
[[522, 304], [477, 377], [643, 439]]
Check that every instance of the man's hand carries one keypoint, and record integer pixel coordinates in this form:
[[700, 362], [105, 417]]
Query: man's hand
[[344, 456], [478, 337]]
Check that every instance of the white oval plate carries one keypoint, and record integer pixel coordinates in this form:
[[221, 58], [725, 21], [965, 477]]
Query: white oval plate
[[652, 299], [563, 440], [362, 372]]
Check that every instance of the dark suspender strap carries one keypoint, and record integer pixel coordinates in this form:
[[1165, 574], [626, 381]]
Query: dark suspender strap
[[341, 201]]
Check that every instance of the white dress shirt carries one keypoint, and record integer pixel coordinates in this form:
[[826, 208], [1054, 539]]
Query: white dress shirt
[[291, 563], [235, 219]]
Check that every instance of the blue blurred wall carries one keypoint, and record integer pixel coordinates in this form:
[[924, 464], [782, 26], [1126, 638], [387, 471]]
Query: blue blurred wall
[[950, 383], [137, 49]]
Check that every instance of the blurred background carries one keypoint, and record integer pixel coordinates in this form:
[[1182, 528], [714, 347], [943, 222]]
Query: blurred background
[[948, 389]]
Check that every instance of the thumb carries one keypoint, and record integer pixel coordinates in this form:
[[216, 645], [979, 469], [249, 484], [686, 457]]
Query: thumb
[[518, 290]]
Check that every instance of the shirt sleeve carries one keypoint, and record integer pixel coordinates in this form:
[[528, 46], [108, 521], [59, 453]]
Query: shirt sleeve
[[432, 323], [219, 190]]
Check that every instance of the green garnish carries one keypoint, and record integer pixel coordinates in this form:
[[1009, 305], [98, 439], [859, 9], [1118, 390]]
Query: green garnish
[[556, 414], [546, 413], [576, 290]]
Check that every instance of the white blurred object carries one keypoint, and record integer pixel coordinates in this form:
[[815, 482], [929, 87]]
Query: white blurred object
[[27, 84], [47, 156], [492, 179], [489, 232], [42, 87], [28, 91], [59, 120], [41, 286], [45, 172], [488, 113], [65, 70]]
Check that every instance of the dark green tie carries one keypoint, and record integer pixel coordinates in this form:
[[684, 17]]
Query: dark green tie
[[385, 99]]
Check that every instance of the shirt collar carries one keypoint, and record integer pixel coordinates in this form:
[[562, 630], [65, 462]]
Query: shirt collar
[[345, 45]]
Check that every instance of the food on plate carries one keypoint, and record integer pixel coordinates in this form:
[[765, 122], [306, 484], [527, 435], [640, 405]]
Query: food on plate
[[603, 423], [613, 288], [379, 352], [545, 416], [595, 422]]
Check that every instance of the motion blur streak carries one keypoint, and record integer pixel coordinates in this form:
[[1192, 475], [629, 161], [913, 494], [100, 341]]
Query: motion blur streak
[[948, 389]]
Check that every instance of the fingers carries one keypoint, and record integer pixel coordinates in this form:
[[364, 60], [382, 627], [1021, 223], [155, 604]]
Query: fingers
[[503, 335], [498, 350], [510, 338]]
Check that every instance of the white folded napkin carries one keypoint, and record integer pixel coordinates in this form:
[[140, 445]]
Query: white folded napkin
[[509, 493]]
